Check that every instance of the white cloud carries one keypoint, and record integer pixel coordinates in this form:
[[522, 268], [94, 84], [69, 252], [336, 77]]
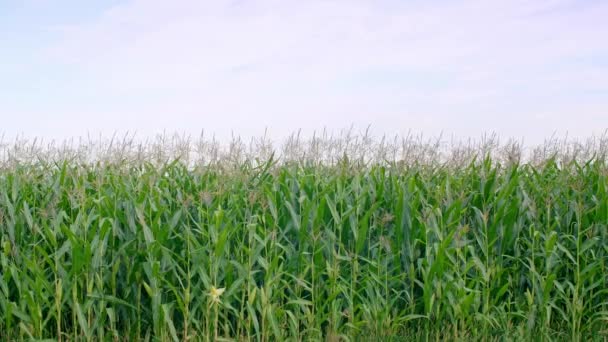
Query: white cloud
[[247, 65]]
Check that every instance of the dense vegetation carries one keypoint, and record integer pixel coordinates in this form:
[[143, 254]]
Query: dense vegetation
[[272, 251]]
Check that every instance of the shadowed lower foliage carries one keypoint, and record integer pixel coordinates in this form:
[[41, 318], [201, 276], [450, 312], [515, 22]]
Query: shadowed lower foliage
[[289, 251]]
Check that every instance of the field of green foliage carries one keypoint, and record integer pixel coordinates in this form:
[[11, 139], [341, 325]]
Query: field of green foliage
[[274, 250]]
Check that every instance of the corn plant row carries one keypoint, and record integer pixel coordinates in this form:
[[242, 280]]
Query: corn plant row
[[320, 148], [288, 251]]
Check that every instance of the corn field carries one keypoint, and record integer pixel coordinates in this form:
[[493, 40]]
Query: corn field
[[271, 249]]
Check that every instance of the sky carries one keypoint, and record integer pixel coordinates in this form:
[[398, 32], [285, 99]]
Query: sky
[[524, 69]]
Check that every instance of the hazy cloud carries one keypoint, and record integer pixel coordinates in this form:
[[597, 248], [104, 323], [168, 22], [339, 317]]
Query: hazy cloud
[[522, 68]]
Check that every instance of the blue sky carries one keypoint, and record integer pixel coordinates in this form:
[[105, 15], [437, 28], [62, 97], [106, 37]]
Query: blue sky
[[520, 68]]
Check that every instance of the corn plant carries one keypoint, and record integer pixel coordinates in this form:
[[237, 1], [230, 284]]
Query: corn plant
[[274, 250]]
